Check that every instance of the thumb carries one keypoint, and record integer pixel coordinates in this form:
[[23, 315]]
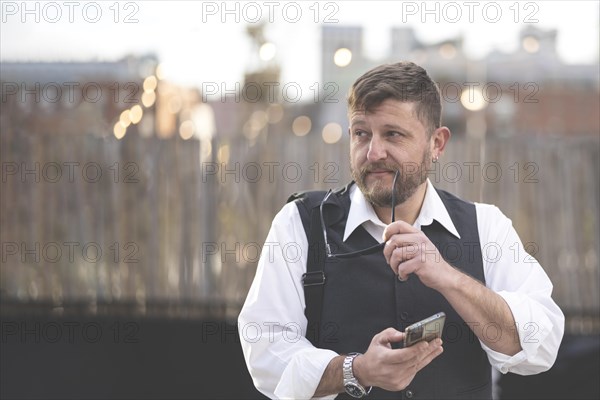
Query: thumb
[[389, 335], [387, 233]]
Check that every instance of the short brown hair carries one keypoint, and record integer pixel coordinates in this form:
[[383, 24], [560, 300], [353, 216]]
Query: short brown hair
[[404, 81]]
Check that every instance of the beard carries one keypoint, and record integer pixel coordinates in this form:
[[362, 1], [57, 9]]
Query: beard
[[410, 178]]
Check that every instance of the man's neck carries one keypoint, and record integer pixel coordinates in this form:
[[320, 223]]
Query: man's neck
[[407, 211]]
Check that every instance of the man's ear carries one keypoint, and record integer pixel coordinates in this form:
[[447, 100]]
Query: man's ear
[[439, 138]]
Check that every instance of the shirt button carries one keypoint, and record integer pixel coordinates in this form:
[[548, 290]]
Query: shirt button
[[409, 394]]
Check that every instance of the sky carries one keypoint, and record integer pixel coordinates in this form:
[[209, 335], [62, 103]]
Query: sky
[[206, 41]]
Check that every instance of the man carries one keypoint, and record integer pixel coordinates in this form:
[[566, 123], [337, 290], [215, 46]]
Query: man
[[434, 257]]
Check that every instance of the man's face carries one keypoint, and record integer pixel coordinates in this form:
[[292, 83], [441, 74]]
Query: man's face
[[387, 139]]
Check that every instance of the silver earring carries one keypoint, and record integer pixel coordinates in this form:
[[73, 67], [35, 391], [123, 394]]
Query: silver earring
[[435, 159]]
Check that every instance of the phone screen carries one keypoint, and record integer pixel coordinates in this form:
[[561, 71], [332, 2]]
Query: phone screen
[[427, 329]]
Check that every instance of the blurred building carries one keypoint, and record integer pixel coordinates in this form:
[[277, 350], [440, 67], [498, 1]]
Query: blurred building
[[529, 91], [70, 98], [542, 94], [98, 98]]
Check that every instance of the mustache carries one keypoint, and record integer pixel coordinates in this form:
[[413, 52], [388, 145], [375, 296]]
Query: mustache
[[378, 167]]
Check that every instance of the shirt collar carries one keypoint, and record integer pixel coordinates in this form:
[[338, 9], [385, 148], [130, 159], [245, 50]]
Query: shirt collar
[[361, 211]]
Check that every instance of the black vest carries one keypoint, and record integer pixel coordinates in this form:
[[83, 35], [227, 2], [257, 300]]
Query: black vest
[[362, 297]]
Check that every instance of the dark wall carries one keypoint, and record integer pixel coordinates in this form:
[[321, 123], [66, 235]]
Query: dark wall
[[126, 358], [110, 358]]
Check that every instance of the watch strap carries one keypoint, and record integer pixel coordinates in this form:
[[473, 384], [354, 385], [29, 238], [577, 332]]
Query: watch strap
[[347, 368], [350, 380]]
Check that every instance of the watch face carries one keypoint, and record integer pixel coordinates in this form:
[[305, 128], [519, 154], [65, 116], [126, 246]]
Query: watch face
[[353, 390]]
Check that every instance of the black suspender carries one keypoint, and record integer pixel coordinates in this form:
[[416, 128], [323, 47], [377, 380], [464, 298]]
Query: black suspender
[[314, 278]]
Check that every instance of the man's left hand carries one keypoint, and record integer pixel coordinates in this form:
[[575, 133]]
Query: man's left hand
[[409, 251]]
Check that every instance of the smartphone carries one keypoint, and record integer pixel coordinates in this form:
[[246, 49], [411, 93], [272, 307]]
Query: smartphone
[[427, 329]]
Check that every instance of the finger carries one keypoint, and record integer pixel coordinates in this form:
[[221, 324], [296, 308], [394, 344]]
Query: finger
[[424, 353], [398, 227], [399, 267], [408, 242], [394, 243], [432, 352], [403, 262], [387, 336], [403, 239], [407, 356], [403, 253], [406, 268]]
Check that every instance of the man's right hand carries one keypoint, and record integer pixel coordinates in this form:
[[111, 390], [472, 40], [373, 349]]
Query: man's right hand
[[393, 369]]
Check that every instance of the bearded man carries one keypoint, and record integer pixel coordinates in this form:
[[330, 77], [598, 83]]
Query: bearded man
[[384, 252]]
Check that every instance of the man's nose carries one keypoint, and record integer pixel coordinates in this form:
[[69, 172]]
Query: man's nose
[[377, 150]]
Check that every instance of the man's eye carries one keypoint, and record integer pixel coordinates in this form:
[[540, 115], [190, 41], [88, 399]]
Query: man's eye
[[360, 133], [395, 134]]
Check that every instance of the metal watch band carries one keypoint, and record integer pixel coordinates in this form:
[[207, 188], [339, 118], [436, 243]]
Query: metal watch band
[[351, 384], [347, 367]]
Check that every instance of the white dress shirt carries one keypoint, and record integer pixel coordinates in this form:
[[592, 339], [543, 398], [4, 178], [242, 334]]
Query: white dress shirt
[[284, 364]]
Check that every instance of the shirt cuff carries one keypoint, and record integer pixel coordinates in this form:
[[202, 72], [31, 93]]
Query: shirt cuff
[[532, 326], [303, 374], [503, 362]]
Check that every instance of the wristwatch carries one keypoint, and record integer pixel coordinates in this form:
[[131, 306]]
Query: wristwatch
[[353, 388]]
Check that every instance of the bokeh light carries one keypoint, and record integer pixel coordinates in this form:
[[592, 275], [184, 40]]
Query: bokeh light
[[150, 83], [267, 51], [135, 114], [342, 57], [531, 44], [119, 130], [148, 99], [332, 133], [186, 129], [301, 125], [472, 99]]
